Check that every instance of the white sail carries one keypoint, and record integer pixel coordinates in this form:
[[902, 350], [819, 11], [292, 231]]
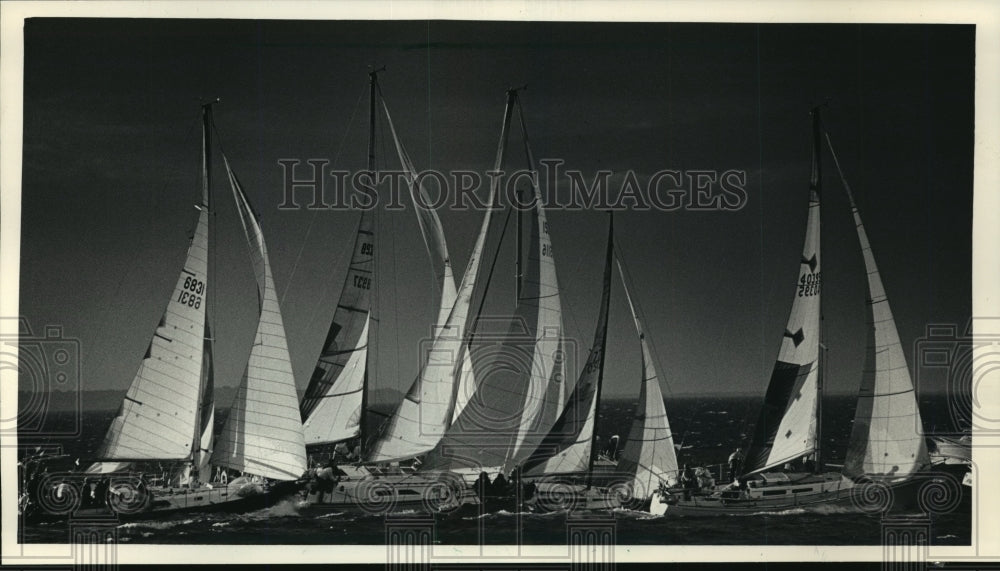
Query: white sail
[[649, 455], [337, 414], [568, 447], [787, 426], [158, 416], [263, 434], [887, 437], [420, 421]]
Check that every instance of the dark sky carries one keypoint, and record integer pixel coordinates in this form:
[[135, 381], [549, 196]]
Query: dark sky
[[112, 151]]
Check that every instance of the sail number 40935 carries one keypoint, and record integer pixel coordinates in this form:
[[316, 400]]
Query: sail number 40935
[[191, 292], [809, 284]]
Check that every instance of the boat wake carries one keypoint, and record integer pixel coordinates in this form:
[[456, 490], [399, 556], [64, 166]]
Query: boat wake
[[159, 525]]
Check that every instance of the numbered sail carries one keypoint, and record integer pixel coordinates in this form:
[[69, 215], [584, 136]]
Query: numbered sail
[[786, 426], [887, 437], [568, 447], [540, 308], [263, 434], [420, 421], [649, 455], [331, 405], [157, 419]]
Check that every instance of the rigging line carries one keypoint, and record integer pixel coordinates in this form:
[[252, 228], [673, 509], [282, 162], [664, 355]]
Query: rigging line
[[565, 289], [312, 219], [489, 279], [141, 247], [661, 372]]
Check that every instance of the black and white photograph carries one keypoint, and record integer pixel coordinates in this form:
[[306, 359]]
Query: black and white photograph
[[407, 286]]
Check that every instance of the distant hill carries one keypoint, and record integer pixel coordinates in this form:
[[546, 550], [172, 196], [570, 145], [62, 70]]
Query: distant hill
[[384, 400], [64, 401]]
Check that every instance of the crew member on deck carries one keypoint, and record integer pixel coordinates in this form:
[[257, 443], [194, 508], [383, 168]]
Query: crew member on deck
[[735, 463]]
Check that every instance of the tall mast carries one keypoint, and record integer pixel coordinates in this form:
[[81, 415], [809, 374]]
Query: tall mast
[[816, 184], [519, 267], [604, 343], [372, 96], [207, 386]]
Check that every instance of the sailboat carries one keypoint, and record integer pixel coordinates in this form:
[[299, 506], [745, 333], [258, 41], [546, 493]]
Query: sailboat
[[886, 453], [159, 452], [562, 468], [380, 474]]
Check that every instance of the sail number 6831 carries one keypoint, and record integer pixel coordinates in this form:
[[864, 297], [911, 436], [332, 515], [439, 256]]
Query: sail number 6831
[[191, 292]]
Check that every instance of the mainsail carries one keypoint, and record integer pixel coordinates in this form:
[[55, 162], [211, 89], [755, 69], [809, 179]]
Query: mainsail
[[159, 415], [263, 434], [887, 438], [786, 426], [649, 456], [569, 446]]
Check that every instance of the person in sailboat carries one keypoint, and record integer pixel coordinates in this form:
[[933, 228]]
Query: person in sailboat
[[735, 463], [612, 451], [807, 463], [688, 481]]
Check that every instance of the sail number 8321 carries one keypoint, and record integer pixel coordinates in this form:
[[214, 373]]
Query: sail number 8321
[[191, 292], [809, 284]]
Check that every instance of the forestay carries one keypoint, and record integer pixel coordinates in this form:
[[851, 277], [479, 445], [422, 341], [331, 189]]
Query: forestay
[[786, 426], [887, 437], [425, 413], [159, 415], [649, 455]]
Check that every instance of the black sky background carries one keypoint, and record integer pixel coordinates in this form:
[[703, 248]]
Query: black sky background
[[112, 153]]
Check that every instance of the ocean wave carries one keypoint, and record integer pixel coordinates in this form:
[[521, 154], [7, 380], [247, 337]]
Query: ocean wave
[[154, 524]]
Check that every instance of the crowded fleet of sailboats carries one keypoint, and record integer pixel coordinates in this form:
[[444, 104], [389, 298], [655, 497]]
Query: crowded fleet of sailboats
[[489, 420]]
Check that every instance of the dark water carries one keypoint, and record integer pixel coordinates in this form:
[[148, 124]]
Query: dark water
[[706, 428]]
